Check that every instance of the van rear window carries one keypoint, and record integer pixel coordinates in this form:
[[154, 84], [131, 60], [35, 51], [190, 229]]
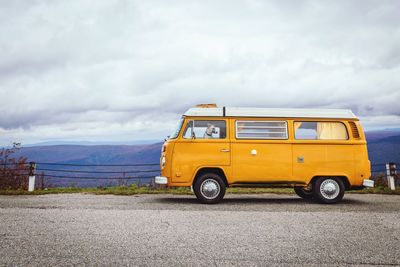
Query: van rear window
[[312, 130], [261, 130]]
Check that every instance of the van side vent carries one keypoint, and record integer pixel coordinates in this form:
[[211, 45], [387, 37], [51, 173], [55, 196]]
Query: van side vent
[[354, 130]]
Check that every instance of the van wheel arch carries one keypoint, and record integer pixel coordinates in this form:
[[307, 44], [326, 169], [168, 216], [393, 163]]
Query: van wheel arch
[[344, 179], [217, 171]]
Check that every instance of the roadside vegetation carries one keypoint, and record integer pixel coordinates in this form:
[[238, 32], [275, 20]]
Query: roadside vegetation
[[134, 190], [377, 190], [13, 171]]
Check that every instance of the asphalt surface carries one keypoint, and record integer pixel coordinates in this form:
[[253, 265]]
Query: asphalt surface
[[165, 230]]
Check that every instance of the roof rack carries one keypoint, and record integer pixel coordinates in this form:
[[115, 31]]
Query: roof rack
[[214, 111]]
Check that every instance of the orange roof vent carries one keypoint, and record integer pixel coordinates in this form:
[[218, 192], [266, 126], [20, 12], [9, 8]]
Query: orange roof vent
[[206, 106]]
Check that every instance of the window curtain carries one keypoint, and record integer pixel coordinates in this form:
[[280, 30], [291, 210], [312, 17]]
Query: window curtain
[[297, 125], [331, 130]]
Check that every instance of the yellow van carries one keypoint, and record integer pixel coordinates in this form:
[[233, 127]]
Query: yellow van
[[319, 152]]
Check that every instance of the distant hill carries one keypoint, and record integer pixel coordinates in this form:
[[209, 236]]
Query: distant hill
[[384, 150], [383, 146], [92, 143], [94, 154], [380, 134]]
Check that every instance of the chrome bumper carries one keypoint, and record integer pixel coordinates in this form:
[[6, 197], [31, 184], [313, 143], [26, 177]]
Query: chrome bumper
[[161, 180], [368, 183]]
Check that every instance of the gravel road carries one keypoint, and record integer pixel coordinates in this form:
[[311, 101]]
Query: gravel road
[[165, 230]]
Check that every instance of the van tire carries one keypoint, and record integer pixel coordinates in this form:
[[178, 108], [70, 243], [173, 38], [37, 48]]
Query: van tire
[[303, 193], [209, 188], [328, 190]]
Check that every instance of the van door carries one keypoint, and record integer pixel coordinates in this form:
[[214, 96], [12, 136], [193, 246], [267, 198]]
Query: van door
[[261, 152], [205, 143], [321, 148]]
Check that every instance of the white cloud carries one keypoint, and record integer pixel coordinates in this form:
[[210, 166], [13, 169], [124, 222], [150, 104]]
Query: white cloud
[[112, 70]]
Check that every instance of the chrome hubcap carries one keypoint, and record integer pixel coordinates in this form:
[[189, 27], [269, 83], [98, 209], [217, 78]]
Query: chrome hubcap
[[210, 188], [329, 189]]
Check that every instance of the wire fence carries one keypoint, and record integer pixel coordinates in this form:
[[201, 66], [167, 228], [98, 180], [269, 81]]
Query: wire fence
[[87, 174], [122, 174]]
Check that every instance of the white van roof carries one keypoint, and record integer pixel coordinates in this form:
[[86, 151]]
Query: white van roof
[[271, 112]]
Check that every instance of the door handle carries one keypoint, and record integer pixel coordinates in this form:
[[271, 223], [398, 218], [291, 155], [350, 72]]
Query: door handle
[[224, 150]]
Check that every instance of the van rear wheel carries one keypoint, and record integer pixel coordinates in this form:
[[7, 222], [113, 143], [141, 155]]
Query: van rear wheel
[[303, 192], [209, 188], [328, 190]]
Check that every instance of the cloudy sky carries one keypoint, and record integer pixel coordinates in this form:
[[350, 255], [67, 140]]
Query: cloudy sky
[[125, 70]]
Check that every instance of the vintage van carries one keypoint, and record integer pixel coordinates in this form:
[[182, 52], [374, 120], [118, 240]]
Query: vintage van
[[319, 152]]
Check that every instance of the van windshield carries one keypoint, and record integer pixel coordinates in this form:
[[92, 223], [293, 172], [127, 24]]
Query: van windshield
[[177, 129]]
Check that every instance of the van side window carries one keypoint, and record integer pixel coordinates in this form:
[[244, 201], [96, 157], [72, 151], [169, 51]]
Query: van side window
[[205, 129], [312, 130], [261, 130]]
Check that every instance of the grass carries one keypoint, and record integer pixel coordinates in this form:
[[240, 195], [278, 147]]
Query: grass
[[377, 190], [119, 190], [133, 190]]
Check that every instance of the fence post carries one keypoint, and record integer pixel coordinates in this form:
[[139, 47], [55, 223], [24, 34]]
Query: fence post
[[390, 173], [32, 167]]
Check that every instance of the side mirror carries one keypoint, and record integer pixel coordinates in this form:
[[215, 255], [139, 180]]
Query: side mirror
[[193, 135]]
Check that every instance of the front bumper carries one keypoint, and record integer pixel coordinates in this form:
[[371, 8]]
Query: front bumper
[[368, 183], [161, 180]]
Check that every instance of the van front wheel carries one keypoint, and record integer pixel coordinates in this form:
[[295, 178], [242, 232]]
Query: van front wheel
[[209, 188], [328, 190]]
